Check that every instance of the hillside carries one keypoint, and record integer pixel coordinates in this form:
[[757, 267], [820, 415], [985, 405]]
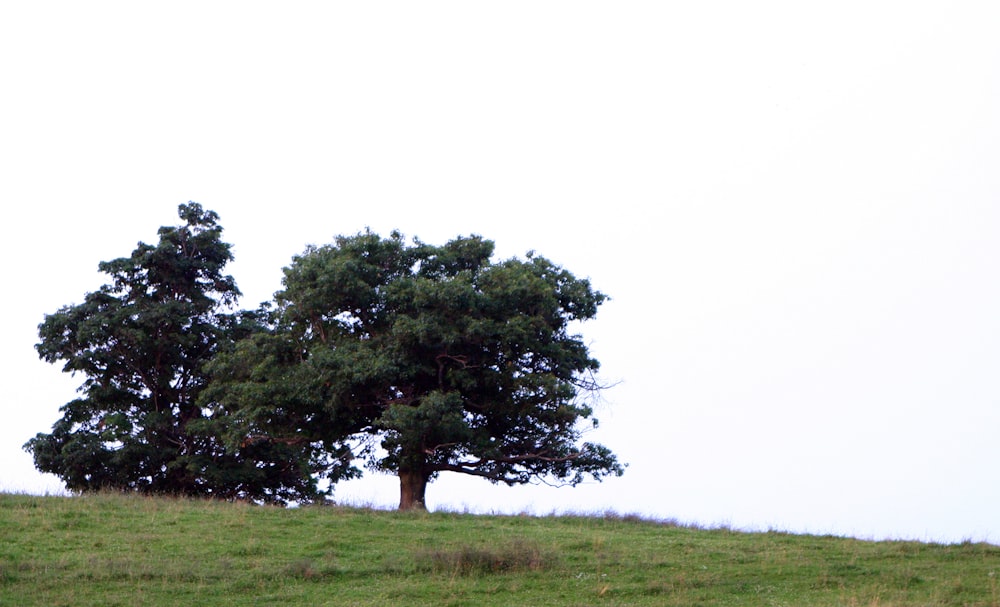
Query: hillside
[[125, 550]]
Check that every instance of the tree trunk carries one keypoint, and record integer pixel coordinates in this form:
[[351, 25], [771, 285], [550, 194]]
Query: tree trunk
[[412, 487]]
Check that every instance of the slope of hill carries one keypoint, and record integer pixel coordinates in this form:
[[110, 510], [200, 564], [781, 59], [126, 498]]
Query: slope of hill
[[126, 550]]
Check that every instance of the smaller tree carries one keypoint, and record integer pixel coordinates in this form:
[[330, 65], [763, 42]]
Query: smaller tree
[[422, 360], [141, 343]]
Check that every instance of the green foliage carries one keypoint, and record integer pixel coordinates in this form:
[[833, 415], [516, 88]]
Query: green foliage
[[422, 359], [103, 550], [141, 343], [411, 358]]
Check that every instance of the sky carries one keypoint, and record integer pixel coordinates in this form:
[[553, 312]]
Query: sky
[[794, 208]]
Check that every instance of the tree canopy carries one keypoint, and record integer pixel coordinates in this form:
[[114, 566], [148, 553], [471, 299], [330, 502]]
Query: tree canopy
[[141, 343], [398, 356], [418, 359]]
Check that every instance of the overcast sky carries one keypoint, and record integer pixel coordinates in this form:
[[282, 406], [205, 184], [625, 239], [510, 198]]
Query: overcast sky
[[795, 210]]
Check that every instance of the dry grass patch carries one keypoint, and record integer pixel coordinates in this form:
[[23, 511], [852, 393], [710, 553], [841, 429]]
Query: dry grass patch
[[515, 556]]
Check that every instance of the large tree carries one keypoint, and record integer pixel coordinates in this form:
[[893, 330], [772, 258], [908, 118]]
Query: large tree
[[141, 343], [421, 359]]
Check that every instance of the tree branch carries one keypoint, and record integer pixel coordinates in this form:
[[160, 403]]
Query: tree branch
[[474, 467], [436, 448], [254, 439]]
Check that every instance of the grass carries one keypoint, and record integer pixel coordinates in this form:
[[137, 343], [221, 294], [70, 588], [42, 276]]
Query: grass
[[126, 550]]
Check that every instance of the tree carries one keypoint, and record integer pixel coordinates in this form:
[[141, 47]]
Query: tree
[[420, 360], [141, 343]]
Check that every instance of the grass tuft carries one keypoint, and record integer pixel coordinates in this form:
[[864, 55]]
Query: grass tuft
[[516, 556]]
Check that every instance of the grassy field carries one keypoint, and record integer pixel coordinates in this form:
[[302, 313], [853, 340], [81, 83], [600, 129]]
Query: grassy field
[[125, 550]]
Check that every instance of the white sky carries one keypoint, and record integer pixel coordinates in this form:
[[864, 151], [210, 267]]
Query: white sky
[[795, 210]]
